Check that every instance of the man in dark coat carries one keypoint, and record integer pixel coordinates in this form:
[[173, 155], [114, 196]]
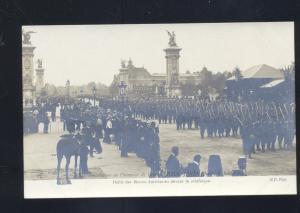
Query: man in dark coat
[[154, 157], [88, 136], [83, 157], [46, 123], [172, 165], [99, 129], [193, 169]]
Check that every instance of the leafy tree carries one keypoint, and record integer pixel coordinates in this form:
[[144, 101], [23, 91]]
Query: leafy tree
[[206, 80], [114, 87], [289, 72], [189, 87], [90, 86], [218, 82], [227, 74], [237, 73]]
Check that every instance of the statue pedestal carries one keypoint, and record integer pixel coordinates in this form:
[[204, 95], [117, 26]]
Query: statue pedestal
[[173, 88], [39, 81], [29, 99], [28, 75]]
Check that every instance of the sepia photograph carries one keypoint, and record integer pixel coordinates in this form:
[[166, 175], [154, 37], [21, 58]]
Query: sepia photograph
[[140, 110]]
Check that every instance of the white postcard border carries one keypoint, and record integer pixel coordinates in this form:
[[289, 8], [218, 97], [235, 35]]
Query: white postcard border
[[160, 187]]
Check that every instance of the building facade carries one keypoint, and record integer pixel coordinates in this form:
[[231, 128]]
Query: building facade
[[169, 83], [140, 81]]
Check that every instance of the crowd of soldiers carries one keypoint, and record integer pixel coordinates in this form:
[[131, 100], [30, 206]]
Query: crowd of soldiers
[[129, 123], [38, 114], [260, 124], [131, 135]]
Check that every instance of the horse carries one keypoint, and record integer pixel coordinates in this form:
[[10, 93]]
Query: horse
[[68, 146]]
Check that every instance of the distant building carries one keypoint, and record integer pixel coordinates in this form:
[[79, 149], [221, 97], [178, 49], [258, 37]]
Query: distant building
[[139, 80], [170, 82]]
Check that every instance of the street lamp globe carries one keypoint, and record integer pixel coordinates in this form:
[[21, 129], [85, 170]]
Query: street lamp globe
[[94, 94]]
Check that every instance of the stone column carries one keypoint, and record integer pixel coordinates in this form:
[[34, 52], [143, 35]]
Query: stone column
[[39, 84], [124, 73], [173, 87], [28, 75]]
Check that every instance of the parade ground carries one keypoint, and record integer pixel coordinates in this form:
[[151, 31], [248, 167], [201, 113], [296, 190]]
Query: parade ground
[[40, 155]]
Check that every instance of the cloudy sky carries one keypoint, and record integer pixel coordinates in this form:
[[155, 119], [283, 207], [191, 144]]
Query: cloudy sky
[[85, 53]]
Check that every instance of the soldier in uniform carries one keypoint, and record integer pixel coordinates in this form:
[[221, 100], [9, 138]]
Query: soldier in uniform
[[272, 135], [227, 125], [46, 122], [53, 113], [264, 137], [179, 119], [210, 126], [280, 133], [247, 133], [220, 127], [258, 135], [235, 127], [88, 136], [202, 124]]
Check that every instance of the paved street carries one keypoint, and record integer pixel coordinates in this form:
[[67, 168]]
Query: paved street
[[281, 162], [40, 158], [40, 155]]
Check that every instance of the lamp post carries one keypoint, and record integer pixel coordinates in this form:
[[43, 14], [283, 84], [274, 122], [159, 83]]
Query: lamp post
[[68, 90], [122, 93], [81, 96], [163, 88], [94, 94]]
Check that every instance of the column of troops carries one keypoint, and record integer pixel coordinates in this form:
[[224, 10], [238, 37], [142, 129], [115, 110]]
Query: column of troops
[[260, 124]]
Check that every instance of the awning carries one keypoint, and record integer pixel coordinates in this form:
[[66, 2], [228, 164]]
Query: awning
[[272, 83]]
